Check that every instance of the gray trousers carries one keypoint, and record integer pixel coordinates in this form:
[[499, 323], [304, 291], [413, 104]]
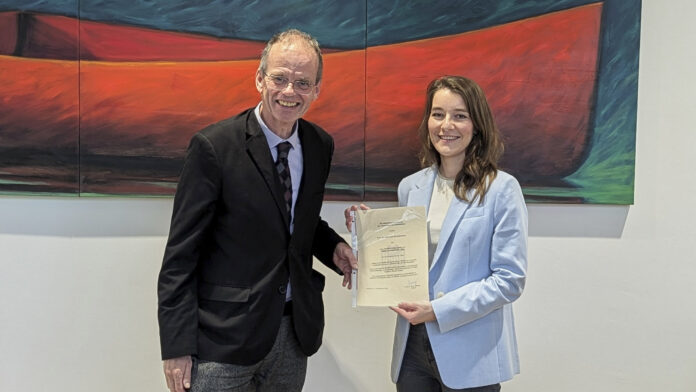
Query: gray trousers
[[419, 371], [282, 370]]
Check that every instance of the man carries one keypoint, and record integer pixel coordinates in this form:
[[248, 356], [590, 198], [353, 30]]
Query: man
[[240, 307]]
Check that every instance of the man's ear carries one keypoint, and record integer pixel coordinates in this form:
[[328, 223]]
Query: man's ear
[[259, 80]]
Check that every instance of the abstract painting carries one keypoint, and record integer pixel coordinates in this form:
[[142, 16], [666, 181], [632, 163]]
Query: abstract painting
[[100, 98]]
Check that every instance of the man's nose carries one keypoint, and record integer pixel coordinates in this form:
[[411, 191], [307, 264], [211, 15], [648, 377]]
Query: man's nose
[[291, 86]]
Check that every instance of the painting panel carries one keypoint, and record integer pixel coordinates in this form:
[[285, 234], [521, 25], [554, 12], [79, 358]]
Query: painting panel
[[39, 111], [153, 73], [546, 68]]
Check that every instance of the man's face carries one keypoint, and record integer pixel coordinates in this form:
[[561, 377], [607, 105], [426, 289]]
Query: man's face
[[294, 63]]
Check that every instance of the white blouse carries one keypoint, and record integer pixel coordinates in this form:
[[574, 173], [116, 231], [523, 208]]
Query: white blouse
[[443, 192]]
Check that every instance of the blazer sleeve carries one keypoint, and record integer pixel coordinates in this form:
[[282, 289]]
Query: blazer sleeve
[[508, 264], [194, 208], [325, 241], [325, 238]]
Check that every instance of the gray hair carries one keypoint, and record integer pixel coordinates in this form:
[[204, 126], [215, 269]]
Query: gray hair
[[293, 34]]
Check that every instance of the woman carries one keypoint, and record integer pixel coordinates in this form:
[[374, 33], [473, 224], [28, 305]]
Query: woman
[[463, 339]]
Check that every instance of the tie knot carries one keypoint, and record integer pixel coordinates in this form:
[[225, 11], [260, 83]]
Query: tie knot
[[283, 149]]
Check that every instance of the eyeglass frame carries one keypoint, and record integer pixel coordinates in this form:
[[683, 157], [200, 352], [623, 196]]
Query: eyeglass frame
[[288, 82]]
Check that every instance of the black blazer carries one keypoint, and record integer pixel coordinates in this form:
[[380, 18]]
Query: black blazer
[[230, 254]]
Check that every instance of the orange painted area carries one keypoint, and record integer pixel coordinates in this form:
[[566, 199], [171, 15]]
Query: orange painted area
[[38, 103], [150, 108]]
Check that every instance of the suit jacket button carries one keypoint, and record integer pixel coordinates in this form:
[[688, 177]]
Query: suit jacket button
[[440, 294], [282, 289]]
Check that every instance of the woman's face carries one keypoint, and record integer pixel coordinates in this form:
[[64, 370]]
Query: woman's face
[[450, 126]]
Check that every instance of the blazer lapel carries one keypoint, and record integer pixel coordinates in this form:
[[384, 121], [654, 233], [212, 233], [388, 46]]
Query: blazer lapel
[[259, 151], [454, 215], [422, 190]]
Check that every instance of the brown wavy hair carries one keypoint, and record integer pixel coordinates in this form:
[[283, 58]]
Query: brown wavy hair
[[480, 165]]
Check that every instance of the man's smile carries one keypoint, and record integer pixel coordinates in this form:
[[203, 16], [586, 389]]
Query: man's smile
[[287, 104]]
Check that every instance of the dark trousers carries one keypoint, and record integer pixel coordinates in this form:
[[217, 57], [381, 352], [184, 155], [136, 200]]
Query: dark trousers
[[419, 371], [282, 370]]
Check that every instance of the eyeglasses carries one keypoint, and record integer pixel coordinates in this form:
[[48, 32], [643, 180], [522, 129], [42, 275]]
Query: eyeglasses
[[280, 82]]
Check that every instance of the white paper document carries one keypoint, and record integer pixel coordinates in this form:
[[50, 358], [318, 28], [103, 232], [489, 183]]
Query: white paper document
[[392, 246]]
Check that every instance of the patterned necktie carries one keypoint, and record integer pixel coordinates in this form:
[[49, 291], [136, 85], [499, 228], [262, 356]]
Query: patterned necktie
[[284, 173]]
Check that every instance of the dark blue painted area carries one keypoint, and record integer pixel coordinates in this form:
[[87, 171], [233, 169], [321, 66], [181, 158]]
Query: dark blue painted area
[[613, 146], [391, 21], [335, 23], [618, 76], [59, 7]]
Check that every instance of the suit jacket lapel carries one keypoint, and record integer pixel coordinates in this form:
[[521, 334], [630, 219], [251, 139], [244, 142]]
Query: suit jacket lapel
[[259, 151]]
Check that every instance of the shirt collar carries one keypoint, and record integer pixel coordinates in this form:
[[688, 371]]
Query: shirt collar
[[272, 138]]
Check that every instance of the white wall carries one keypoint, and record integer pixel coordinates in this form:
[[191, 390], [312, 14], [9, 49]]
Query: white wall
[[608, 305]]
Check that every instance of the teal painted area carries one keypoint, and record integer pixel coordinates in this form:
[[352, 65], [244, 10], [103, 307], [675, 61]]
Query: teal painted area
[[608, 174], [42, 194], [15, 182]]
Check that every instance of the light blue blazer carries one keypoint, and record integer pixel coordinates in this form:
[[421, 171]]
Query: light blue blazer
[[478, 270]]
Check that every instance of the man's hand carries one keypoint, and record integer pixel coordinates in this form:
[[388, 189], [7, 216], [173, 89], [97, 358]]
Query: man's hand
[[177, 371], [415, 312], [346, 213], [345, 261]]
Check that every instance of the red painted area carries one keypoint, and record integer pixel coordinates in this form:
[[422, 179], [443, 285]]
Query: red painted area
[[538, 74], [51, 37], [340, 108], [100, 41], [56, 37], [8, 32]]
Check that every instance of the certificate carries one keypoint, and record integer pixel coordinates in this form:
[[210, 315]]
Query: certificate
[[392, 246]]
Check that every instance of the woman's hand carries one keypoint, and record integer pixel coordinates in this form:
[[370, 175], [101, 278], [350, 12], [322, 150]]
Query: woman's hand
[[346, 213], [415, 312]]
